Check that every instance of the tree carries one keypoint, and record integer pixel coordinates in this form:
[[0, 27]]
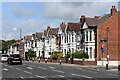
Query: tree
[[4, 44], [31, 54]]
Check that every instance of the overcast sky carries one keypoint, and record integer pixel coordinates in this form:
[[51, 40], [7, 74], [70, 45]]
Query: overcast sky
[[34, 17]]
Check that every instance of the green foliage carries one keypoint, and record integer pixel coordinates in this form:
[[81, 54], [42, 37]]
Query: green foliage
[[80, 55], [56, 54], [31, 54], [4, 44]]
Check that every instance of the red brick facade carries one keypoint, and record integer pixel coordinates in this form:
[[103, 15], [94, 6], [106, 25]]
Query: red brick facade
[[113, 39]]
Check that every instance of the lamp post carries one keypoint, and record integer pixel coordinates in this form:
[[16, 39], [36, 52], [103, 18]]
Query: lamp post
[[20, 32], [107, 30]]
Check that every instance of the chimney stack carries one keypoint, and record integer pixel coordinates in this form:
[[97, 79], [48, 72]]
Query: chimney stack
[[113, 10], [48, 27], [82, 19]]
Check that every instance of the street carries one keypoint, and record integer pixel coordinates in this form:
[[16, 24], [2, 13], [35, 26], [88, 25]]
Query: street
[[49, 71]]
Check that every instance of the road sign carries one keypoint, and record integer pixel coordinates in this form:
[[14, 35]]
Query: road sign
[[103, 50]]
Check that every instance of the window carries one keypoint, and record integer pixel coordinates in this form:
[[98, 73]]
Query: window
[[90, 35], [35, 44], [86, 35], [69, 38], [65, 39], [72, 38], [87, 50], [90, 52]]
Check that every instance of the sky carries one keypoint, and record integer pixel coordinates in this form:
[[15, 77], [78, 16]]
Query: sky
[[33, 17]]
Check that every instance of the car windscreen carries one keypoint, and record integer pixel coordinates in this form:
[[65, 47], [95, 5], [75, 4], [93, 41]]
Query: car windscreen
[[4, 55], [15, 55]]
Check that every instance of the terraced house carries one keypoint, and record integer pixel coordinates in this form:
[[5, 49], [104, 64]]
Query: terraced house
[[70, 37], [97, 36], [50, 41]]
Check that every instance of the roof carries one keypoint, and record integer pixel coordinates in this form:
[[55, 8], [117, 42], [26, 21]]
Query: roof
[[74, 26], [45, 32], [27, 38], [92, 21], [39, 35], [62, 26], [53, 31]]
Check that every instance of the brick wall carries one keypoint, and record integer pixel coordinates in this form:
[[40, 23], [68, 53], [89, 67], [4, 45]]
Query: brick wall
[[113, 41]]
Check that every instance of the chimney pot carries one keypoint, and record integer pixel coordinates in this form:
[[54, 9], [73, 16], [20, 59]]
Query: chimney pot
[[113, 9]]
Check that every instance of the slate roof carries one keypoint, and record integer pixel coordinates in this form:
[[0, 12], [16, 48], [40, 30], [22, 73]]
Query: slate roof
[[39, 35], [33, 35], [27, 38], [53, 31], [62, 26], [92, 22], [74, 26], [45, 32]]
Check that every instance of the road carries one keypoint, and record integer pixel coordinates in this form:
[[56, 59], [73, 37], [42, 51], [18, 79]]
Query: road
[[39, 71]]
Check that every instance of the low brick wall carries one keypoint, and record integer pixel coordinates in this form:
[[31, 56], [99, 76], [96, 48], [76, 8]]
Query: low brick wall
[[74, 62]]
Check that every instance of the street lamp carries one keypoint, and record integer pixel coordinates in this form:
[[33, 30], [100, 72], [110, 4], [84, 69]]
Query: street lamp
[[20, 32]]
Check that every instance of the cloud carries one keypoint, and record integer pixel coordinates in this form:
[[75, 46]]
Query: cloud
[[28, 26], [73, 11], [21, 10]]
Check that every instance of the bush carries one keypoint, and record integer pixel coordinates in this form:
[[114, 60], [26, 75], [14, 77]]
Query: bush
[[56, 55], [31, 54], [80, 55]]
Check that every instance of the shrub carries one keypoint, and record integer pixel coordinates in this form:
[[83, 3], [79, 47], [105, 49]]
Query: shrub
[[56, 54], [80, 55]]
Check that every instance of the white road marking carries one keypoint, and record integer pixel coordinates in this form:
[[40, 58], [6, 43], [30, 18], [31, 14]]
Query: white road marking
[[61, 76], [10, 66], [79, 68], [58, 71], [5, 69], [42, 68], [40, 76], [18, 69], [30, 77], [22, 77], [29, 68], [89, 71], [112, 74], [51, 67], [27, 72], [24, 64], [81, 75], [86, 76]]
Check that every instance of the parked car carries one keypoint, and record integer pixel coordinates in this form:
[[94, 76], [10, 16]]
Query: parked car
[[14, 59], [4, 57]]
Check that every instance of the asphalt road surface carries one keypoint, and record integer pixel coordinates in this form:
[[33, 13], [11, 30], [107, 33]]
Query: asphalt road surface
[[43, 71]]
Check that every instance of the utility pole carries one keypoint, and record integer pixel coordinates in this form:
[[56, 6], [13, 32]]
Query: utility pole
[[20, 32], [107, 30]]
